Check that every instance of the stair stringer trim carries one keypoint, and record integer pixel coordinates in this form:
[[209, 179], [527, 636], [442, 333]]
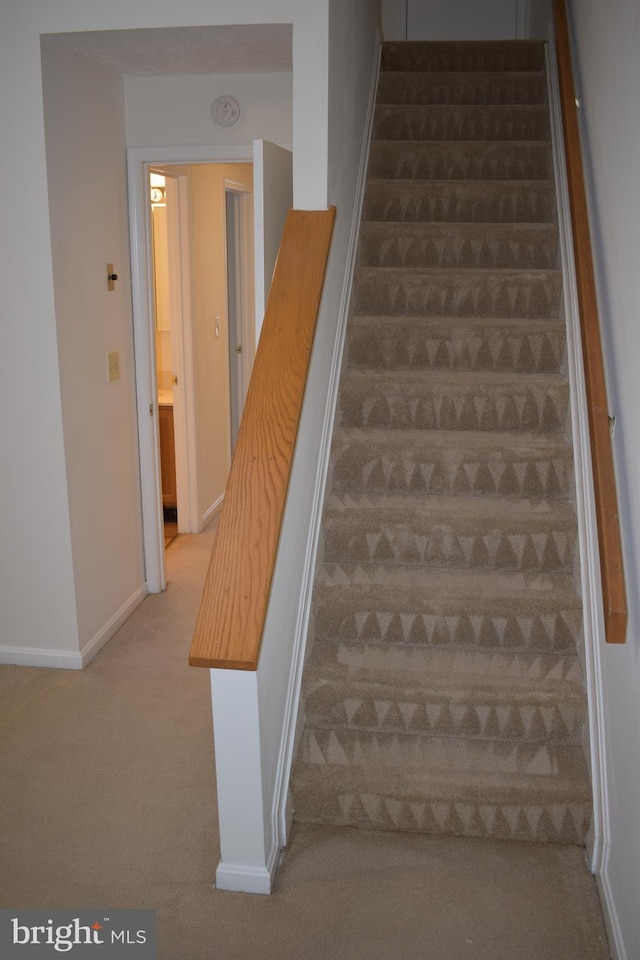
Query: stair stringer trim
[[282, 810], [591, 585]]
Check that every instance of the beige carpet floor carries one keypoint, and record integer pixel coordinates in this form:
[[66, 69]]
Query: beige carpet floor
[[107, 799]]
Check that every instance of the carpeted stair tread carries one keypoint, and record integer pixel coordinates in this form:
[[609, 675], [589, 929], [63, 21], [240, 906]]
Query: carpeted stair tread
[[470, 401], [484, 87], [460, 122], [460, 160], [523, 246], [460, 201], [448, 292], [444, 691], [452, 462], [395, 782], [450, 532], [463, 56], [455, 343], [432, 691], [436, 608]]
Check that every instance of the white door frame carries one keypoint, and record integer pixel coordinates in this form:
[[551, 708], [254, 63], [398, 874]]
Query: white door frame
[[184, 401], [139, 159], [240, 295]]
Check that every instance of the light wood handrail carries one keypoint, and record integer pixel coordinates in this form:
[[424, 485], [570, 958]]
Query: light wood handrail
[[606, 500], [232, 612]]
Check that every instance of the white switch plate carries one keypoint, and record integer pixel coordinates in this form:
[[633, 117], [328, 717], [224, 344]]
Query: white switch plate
[[113, 366]]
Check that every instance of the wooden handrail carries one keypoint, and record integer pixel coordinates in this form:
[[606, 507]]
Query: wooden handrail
[[236, 592], [606, 500]]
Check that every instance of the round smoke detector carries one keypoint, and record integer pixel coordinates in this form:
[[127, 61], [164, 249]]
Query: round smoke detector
[[225, 111]]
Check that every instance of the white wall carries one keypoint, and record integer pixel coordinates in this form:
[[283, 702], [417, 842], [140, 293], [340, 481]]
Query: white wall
[[462, 19], [607, 36], [37, 592], [176, 111], [352, 60], [84, 127], [38, 601], [456, 19], [540, 15]]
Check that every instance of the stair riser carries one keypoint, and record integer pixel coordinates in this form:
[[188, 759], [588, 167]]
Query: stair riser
[[462, 56], [426, 122], [378, 778], [443, 694], [393, 404], [375, 343], [447, 472], [523, 822], [355, 539], [468, 294], [462, 161], [460, 246], [435, 201], [476, 88], [381, 709], [409, 617]]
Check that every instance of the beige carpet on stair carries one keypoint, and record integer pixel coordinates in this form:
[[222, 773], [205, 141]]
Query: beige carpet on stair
[[107, 798], [443, 692]]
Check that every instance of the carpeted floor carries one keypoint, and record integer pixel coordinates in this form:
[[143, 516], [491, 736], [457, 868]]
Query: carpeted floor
[[107, 798]]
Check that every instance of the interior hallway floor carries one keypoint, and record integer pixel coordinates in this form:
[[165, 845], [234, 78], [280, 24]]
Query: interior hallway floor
[[107, 799]]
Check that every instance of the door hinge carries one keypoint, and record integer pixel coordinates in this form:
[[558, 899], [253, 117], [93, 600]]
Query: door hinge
[[150, 409]]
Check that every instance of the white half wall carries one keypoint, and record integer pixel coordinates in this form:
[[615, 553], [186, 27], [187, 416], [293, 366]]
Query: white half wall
[[607, 38], [250, 851]]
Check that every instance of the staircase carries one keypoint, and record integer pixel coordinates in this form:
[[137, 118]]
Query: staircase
[[443, 691]]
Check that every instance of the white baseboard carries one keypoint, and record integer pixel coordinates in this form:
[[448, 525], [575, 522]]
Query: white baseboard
[[247, 877], [38, 657], [211, 512], [96, 644], [610, 914], [73, 660]]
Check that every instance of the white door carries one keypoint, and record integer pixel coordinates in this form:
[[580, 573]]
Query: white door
[[467, 19], [272, 199]]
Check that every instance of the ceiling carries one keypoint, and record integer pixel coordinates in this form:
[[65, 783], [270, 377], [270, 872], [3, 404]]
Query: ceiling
[[252, 48]]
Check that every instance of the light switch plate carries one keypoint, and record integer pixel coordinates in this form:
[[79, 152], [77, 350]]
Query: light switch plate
[[113, 366]]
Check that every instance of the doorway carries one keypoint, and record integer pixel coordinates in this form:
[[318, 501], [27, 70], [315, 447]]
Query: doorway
[[202, 265], [206, 310], [180, 323]]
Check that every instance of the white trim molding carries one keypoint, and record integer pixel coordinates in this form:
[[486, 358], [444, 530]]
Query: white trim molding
[[212, 511], [599, 841], [39, 657], [67, 659], [255, 713], [282, 813]]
